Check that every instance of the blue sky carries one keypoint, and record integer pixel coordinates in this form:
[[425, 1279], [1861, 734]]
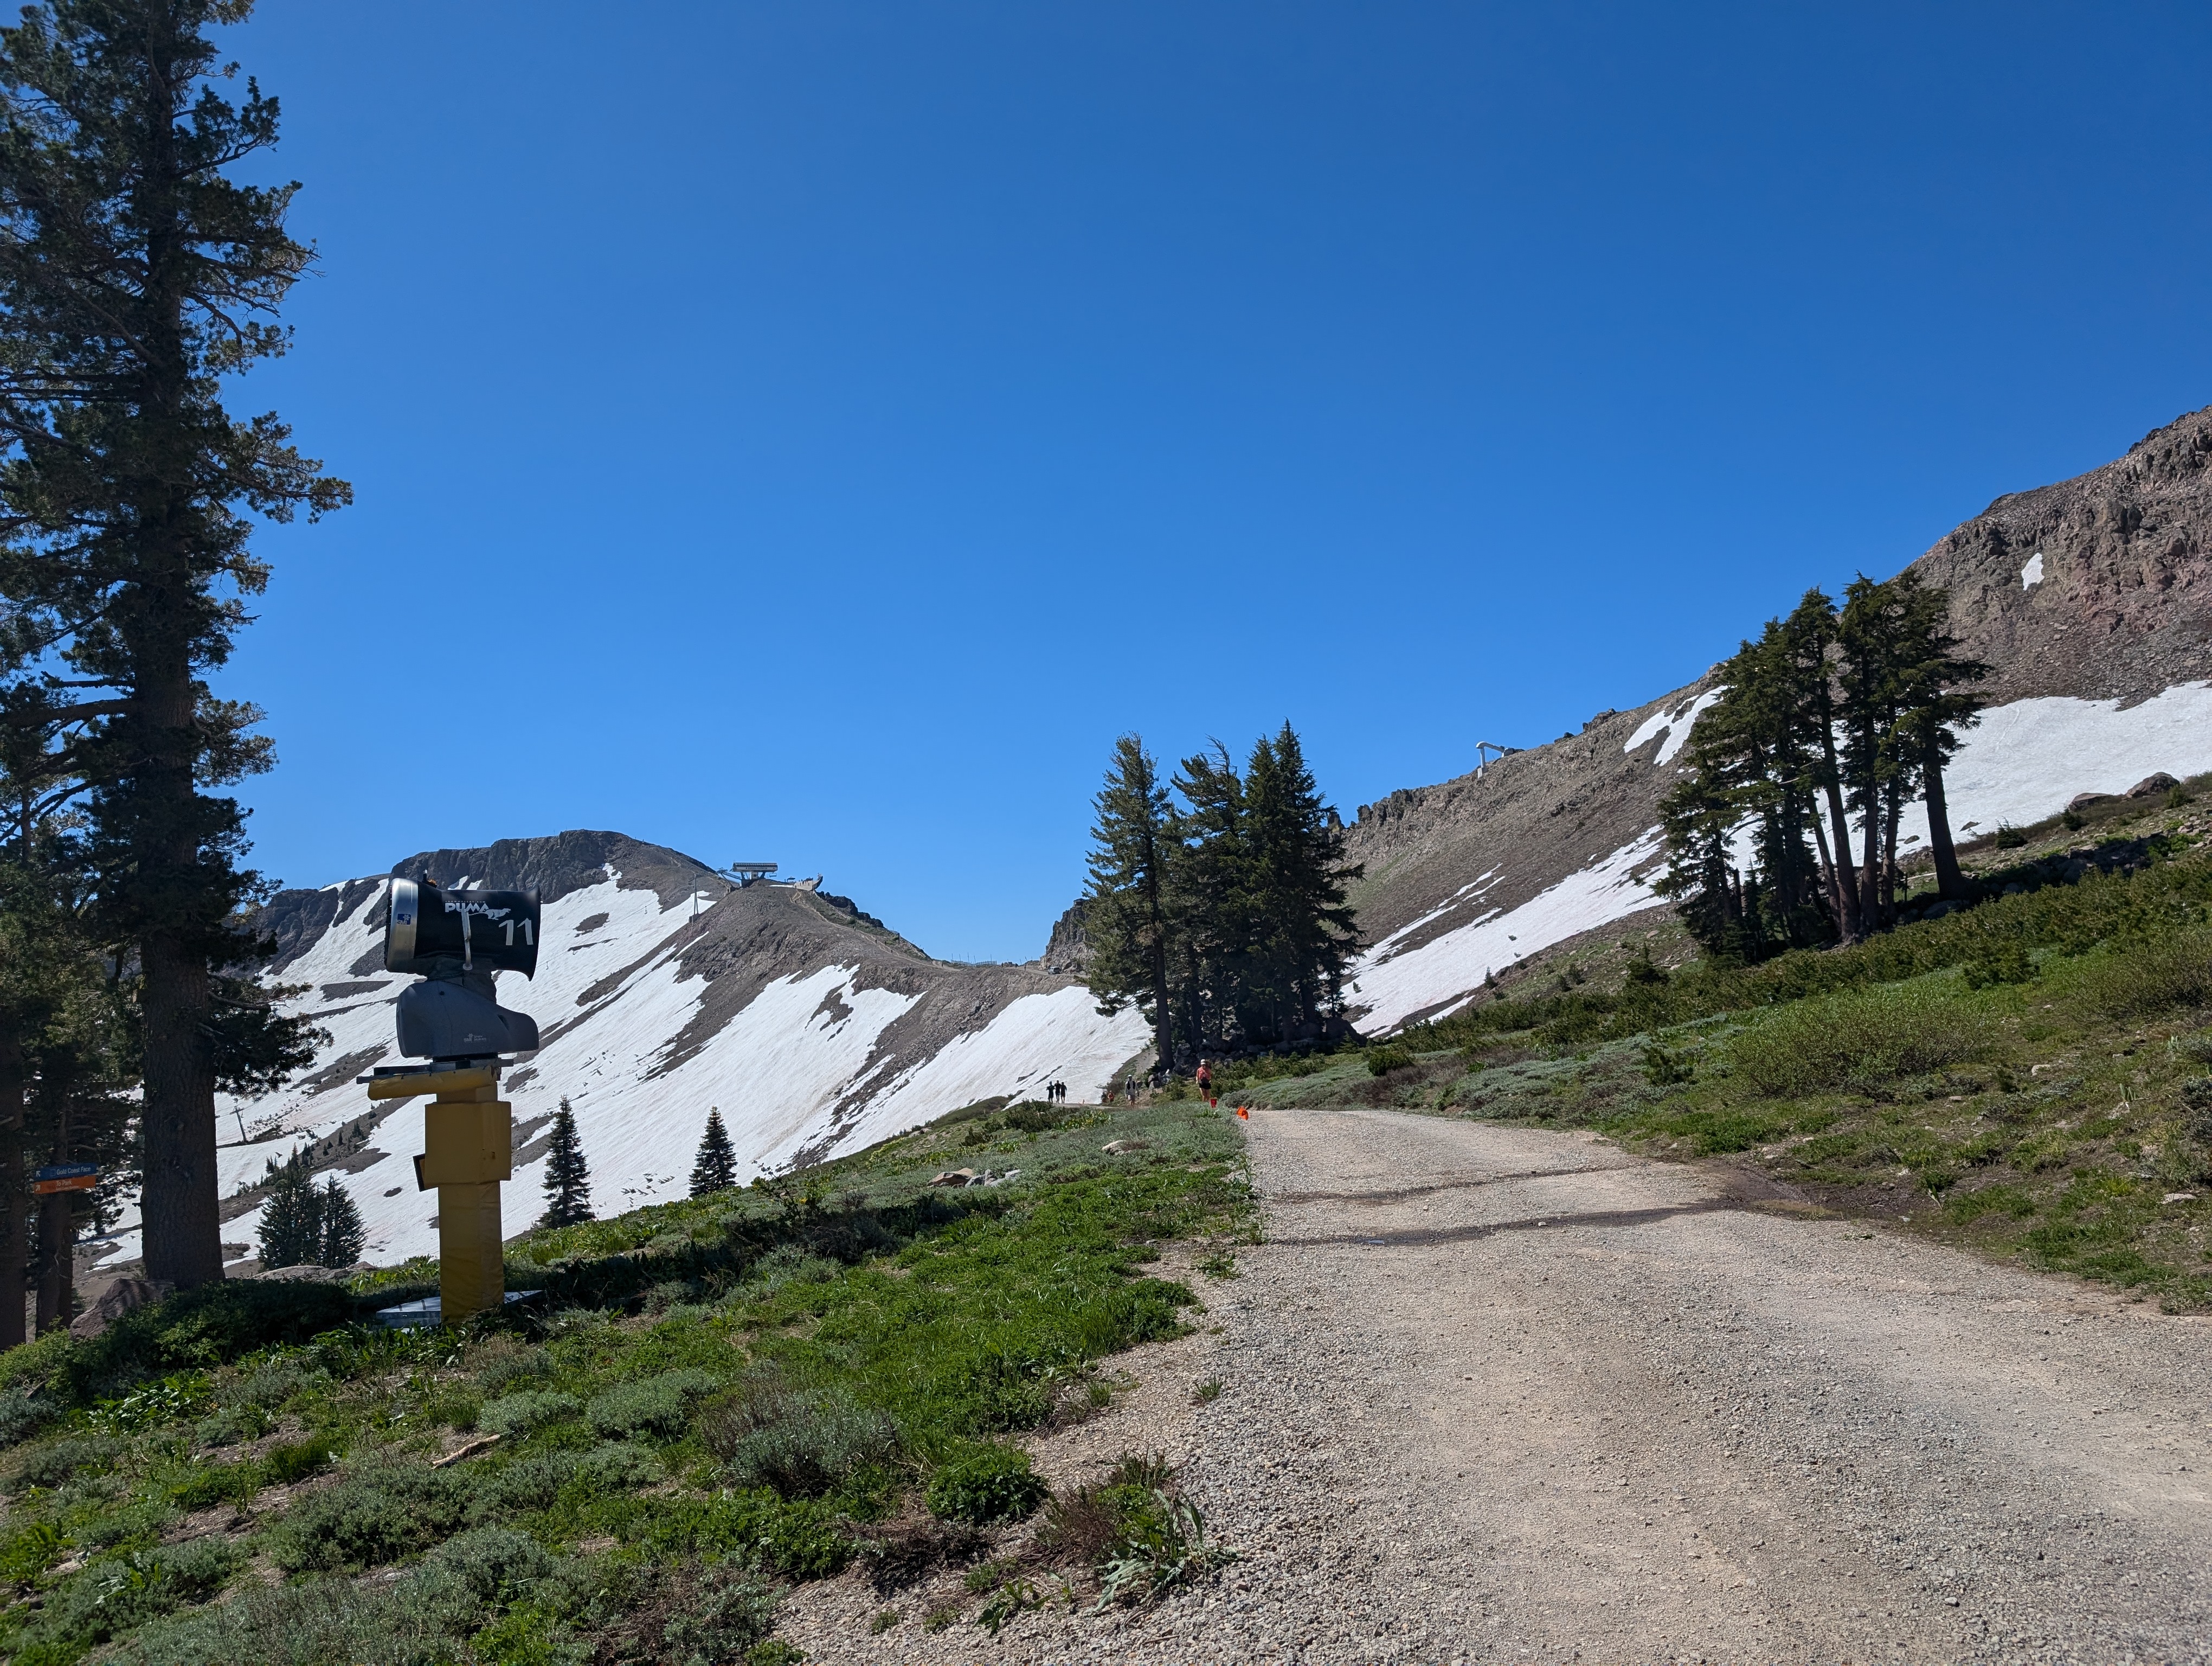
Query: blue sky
[[811, 432]]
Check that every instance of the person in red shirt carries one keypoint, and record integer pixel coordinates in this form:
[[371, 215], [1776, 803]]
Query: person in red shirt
[[1205, 1081]]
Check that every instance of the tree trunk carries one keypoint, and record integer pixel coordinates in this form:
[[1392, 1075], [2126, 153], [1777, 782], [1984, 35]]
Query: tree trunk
[[14, 1221], [55, 1233], [1827, 875], [184, 1238], [1846, 876], [1950, 883], [1889, 858]]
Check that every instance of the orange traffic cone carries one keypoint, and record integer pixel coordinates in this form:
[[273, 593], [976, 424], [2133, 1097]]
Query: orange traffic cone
[[1245, 1114]]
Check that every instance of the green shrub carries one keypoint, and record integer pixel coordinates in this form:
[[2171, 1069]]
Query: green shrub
[[658, 1406], [1382, 1060], [618, 1467], [1856, 1038], [206, 1484], [991, 1484], [730, 1613], [2002, 962], [798, 1539], [116, 1594], [416, 1622], [274, 1383], [210, 1325], [378, 1513], [64, 1460], [23, 1412], [533, 1408], [769, 1434], [528, 1483], [495, 1563], [504, 1371], [296, 1461], [2143, 978]]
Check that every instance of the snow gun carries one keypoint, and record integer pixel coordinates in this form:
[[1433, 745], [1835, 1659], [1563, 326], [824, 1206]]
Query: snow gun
[[457, 942]]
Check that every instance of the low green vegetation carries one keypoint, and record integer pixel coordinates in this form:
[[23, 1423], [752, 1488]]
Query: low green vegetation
[[714, 1399], [2031, 1076]]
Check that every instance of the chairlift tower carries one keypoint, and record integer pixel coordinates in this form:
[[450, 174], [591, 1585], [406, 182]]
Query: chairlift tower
[[1482, 752], [747, 874]]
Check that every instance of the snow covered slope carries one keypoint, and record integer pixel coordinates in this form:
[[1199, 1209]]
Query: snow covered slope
[[811, 1029], [815, 1030], [2092, 601]]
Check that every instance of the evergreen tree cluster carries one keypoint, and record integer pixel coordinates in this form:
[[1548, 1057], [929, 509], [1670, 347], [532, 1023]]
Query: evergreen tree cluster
[[1215, 900], [1830, 723], [306, 1225]]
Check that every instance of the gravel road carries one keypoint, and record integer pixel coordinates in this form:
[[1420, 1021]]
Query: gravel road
[[1500, 1395]]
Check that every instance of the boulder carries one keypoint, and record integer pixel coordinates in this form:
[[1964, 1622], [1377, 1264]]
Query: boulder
[[2151, 786], [2083, 800], [117, 1299]]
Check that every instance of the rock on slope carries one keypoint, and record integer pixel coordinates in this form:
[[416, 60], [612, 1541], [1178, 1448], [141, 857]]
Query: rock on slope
[[2092, 600], [809, 1027]]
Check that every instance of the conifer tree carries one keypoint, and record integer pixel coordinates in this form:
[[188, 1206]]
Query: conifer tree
[[1126, 910], [343, 1237], [1302, 935], [137, 273], [567, 1180], [291, 1230], [715, 1168], [1210, 886], [1854, 711], [1936, 700]]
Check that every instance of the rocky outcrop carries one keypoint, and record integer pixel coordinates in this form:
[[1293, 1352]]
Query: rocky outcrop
[[2100, 586]]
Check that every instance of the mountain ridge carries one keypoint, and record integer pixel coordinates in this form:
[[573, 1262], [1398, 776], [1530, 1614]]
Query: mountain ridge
[[815, 1028]]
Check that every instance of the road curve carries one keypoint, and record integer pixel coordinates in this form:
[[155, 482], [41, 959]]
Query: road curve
[[1597, 1406]]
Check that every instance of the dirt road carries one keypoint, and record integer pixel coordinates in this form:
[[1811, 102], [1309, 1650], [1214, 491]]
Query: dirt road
[[1494, 1395]]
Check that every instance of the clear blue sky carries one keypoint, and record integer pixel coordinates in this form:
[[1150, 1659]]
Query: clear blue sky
[[811, 432]]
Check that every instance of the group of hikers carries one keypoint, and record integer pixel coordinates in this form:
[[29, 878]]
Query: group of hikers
[[1057, 1091]]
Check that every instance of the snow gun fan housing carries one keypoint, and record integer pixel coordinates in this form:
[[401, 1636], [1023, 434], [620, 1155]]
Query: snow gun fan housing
[[458, 942]]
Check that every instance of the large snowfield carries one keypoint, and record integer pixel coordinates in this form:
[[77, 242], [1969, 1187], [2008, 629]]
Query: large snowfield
[[2021, 763], [776, 1071], [803, 1046]]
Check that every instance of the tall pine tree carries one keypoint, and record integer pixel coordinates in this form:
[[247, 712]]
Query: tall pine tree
[[715, 1168], [1302, 935], [291, 1230], [1126, 911], [343, 1237], [567, 1180], [138, 273]]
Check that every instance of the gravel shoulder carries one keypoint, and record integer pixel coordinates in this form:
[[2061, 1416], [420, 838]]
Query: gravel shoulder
[[1497, 1394]]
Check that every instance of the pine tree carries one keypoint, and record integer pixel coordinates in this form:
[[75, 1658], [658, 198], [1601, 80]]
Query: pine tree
[[1302, 936], [1126, 911], [568, 1181], [1210, 885], [291, 1232], [343, 1237], [1937, 701], [137, 274], [716, 1167]]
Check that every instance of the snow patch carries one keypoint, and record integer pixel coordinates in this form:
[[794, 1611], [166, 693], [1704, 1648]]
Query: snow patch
[[1675, 725], [2024, 761], [1392, 990], [2032, 575]]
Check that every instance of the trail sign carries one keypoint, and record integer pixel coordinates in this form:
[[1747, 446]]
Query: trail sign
[[64, 1178]]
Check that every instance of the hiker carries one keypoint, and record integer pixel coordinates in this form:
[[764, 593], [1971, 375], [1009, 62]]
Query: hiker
[[1204, 1081]]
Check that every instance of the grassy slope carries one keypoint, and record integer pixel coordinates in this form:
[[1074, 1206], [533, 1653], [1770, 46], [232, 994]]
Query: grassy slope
[[2029, 1077], [715, 1396]]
